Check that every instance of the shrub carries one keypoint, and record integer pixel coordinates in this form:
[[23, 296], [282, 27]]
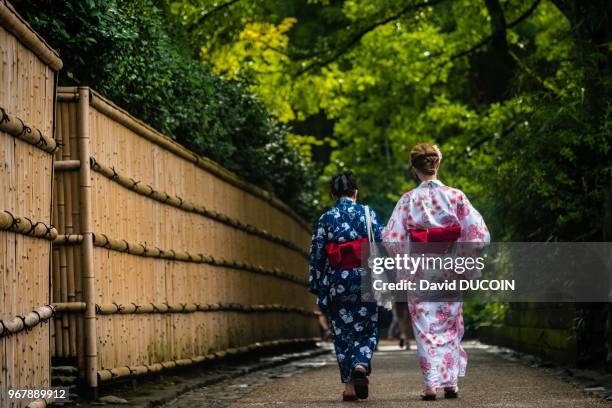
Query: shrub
[[129, 52]]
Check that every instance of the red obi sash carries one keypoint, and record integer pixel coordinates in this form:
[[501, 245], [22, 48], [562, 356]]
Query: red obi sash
[[435, 240], [445, 234], [346, 255]]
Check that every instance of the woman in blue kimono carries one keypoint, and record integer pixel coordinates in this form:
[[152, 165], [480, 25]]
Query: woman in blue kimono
[[354, 323]]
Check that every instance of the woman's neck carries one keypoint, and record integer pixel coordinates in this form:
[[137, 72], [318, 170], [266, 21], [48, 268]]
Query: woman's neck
[[428, 178]]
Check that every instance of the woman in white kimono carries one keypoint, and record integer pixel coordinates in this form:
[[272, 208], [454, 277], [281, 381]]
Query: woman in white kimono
[[438, 326]]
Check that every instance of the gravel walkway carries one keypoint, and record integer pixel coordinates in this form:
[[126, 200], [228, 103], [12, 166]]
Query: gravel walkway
[[491, 381]]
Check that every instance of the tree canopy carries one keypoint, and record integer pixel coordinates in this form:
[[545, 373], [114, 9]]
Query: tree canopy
[[516, 94], [128, 51]]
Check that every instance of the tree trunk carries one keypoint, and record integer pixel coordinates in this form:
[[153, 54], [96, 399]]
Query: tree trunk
[[591, 23], [493, 70]]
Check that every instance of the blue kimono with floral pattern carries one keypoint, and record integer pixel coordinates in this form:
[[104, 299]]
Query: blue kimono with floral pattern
[[354, 323]]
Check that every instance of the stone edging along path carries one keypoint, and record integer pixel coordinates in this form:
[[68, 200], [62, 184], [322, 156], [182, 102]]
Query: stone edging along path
[[162, 394], [591, 382]]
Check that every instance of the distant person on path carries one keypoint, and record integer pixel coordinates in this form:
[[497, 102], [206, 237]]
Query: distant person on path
[[399, 325], [335, 277], [438, 326]]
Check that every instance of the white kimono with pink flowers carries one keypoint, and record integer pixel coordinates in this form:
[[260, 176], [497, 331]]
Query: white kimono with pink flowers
[[438, 326]]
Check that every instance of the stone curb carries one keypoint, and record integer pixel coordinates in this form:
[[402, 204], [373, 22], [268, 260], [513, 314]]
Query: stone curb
[[162, 396], [594, 383]]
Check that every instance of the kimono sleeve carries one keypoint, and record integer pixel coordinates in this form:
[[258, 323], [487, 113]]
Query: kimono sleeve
[[473, 227], [318, 257], [395, 231], [394, 235]]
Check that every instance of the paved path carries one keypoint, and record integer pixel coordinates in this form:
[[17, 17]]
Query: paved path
[[491, 381]]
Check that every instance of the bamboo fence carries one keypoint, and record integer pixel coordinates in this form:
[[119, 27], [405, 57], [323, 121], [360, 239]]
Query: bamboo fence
[[28, 69], [164, 258]]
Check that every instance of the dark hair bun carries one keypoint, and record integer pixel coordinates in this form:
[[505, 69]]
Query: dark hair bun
[[343, 185]]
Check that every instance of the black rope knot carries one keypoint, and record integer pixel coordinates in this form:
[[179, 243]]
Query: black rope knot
[[33, 226], [107, 245], [118, 306], [25, 129], [41, 140], [136, 307], [40, 319], [4, 117], [115, 174], [49, 229], [25, 325], [52, 309], [13, 219]]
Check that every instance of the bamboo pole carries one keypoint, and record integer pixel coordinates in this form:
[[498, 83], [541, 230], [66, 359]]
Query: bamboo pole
[[31, 319], [67, 165], [134, 248], [64, 239], [134, 371], [69, 307], [178, 202], [16, 25], [76, 217], [39, 403], [56, 253], [87, 268], [68, 229], [23, 225], [57, 324], [117, 114], [61, 214], [16, 127], [150, 308]]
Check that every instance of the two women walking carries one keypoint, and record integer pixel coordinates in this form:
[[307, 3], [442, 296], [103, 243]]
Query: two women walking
[[336, 272]]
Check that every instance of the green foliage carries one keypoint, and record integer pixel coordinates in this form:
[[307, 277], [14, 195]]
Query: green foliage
[[126, 50], [476, 314], [522, 118]]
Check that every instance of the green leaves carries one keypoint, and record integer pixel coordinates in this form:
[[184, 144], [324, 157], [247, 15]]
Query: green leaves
[[392, 73], [128, 51], [361, 83]]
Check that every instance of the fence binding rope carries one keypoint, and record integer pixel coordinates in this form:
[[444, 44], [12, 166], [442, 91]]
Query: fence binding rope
[[178, 202]]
